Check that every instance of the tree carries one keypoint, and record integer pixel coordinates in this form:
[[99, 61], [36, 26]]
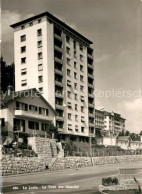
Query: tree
[[50, 130], [127, 133], [7, 75]]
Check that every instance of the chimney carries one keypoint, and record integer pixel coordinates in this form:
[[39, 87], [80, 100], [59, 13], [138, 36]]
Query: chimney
[[9, 89]]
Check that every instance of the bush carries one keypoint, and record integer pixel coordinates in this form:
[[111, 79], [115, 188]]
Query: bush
[[110, 181]]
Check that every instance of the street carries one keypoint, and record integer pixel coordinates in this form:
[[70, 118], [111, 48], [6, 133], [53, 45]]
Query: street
[[82, 180]]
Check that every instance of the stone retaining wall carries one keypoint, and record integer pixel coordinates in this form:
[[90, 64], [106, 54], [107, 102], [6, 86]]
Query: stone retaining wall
[[21, 165], [77, 162]]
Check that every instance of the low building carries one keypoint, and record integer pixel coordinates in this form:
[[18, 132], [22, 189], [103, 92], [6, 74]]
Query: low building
[[99, 122], [114, 123], [26, 111]]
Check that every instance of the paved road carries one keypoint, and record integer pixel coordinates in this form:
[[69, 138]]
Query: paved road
[[82, 180]]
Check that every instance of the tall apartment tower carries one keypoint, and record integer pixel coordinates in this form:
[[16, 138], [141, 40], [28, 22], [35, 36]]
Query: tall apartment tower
[[58, 61]]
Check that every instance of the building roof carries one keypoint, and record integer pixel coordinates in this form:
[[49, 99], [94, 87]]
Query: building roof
[[15, 95], [124, 138], [54, 20], [140, 133]]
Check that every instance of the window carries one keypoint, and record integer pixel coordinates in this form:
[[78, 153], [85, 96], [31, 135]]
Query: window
[[75, 86], [75, 96], [39, 56], [76, 117], [22, 27], [74, 45], [3, 122], [24, 82], [69, 116], [81, 68], [75, 56], [39, 43], [82, 108], [68, 39], [40, 67], [40, 90], [76, 128], [68, 61], [39, 32], [68, 72], [68, 50], [33, 125], [44, 126], [81, 58], [69, 83], [81, 88], [82, 119], [23, 60], [81, 78], [23, 38], [40, 110], [31, 24], [70, 127], [75, 75], [39, 21], [69, 105], [69, 94], [46, 112], [23, 49], [81, 47], [82, 98], [23, 71], [75, 106], [75, 65], [40, 78], [82, 129]]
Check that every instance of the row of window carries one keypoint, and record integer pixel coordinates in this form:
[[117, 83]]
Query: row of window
[[23, 37], [68, 40], [35, 126], [69, 95], [39, 44], [75, 75], [39, 55], [76, 107], [68, 51], [75, 65], [76, 128], [28, 107], [76, 117], [31, 24], [24, 82]]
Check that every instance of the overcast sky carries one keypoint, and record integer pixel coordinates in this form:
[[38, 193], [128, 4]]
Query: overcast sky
[[115, 27]]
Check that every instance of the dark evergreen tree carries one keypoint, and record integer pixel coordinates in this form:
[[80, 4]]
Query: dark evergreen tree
[[7, 75]]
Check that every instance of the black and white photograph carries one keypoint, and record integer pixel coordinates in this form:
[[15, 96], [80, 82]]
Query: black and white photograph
[[71, 97]]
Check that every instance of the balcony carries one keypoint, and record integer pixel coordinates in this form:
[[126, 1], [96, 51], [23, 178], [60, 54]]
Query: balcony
[[91, 95], [91, 135], [91, 115], [32, 115], [57, 36], [90, 66], [90, 85], [60, 130], [89, 56], [91, 105], [58, 48], [58, 83], [58, 60], [91, 124], [58, 106], [59, 118], [90, 76], [59, 72]]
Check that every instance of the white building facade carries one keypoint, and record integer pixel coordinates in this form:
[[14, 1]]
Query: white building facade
[[58, 61]]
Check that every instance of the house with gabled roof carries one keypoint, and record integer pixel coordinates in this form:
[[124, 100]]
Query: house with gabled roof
[[25, 111]]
